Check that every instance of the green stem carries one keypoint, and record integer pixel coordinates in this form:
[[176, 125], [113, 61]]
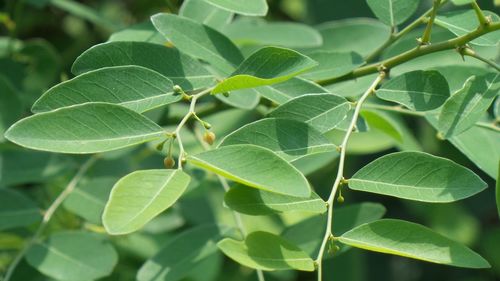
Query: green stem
[[49, 213], [480, 15], [426, 37], [340, 171], [414, 53], [466, 51]]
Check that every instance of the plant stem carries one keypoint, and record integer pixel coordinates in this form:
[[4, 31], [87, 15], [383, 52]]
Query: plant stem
[[466, 51], [426, 37], [191, 112], [236, 215], [340, 171], [414, 53], [49, 213], [479, 13]]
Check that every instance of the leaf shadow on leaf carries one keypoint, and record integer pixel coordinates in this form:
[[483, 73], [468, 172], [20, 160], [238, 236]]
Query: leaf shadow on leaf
[[292, 144], [420, 102]]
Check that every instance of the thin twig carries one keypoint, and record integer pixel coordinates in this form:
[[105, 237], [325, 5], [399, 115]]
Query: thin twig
[[426, 37]]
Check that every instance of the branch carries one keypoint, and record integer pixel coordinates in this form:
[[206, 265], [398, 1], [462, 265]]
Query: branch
[[340, 171], [49, 213], [426, 37], [414, 53]]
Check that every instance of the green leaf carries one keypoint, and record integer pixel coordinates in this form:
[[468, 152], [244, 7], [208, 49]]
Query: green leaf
[[289, 139], [269, 65], [244, 98], [359, 35], [411, 240], [243, 7], [266, 251], [134, 87], [324, 112], [16, 210], [417, 176], [11, 107], [462, 2], [254, 166], [332, 64], [203, 12], [393, 12], [255, 202], [178, 67], [465, 21], [285, 91], [465, 107], [383, 122], [73, 256], [260, 32], [498, 190], [199, 41], [85, 12], [85, 128], [418, 90], [140, 196], [141, 32], [183, 254]]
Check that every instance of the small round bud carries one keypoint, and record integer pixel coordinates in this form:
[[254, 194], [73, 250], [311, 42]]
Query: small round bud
[[209, 137], [226, 94], [340, 199], [177, 89], [169, 162]]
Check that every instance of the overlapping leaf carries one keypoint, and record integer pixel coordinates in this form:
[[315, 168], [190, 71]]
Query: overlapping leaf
[[332, 64], [393, 12], [285, 91], [202, 12], [244, 7]]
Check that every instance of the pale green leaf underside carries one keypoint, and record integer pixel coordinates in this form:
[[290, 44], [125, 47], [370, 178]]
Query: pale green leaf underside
[[85, 128], [324, 112], [254, 166], [199, 41], [140, 196], [464, 108], [384, 122], [256, 202], [244, 98], [17, 210], [73, 256], [267, 66], [243, 7], [266, 251], [332, 64], [289, 139], [418, 90], [417, 176], [203, 12], [183, 254], [465, 21], [285, 91], [178, 67], [411, 240], [393, 12], [134, 87]]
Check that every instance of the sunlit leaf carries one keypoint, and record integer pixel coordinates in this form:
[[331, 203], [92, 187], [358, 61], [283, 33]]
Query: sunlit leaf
[[393, 12], [202, 12], [243, 7]]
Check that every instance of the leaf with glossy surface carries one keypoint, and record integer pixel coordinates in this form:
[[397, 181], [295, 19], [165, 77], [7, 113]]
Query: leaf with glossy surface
[[266, 251], [180, 68], [256, 202], [411, 240], [140, 196], [254, 166], [85, 128], [182, 255], [203, 12], [464, 108], [393, 12], [418, 90], [134, 87], [465, 21], [73, 256], [285, 91], [289, 139], [269, 65], [243, 7], [332, 64], [17, 210], [322, 111], [417, 176], [11, 106], [199, 41]]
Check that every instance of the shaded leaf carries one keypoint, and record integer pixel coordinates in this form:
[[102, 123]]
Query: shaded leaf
[[324, 112], [411, 240], [203, 12], [393, 12], [269, 65], [266, 251], [498, 191], [332, 64], [418, 90], [384, 123], [285, 91], [178, 67], [465, 107], [243, 7], [199, 41], [140, 196], [417, 176], [289, 139], [244, 98], [256, 202], [17, 210], [11, 107], [134, 87], [85, 128], [61, 258], [254, 166]]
